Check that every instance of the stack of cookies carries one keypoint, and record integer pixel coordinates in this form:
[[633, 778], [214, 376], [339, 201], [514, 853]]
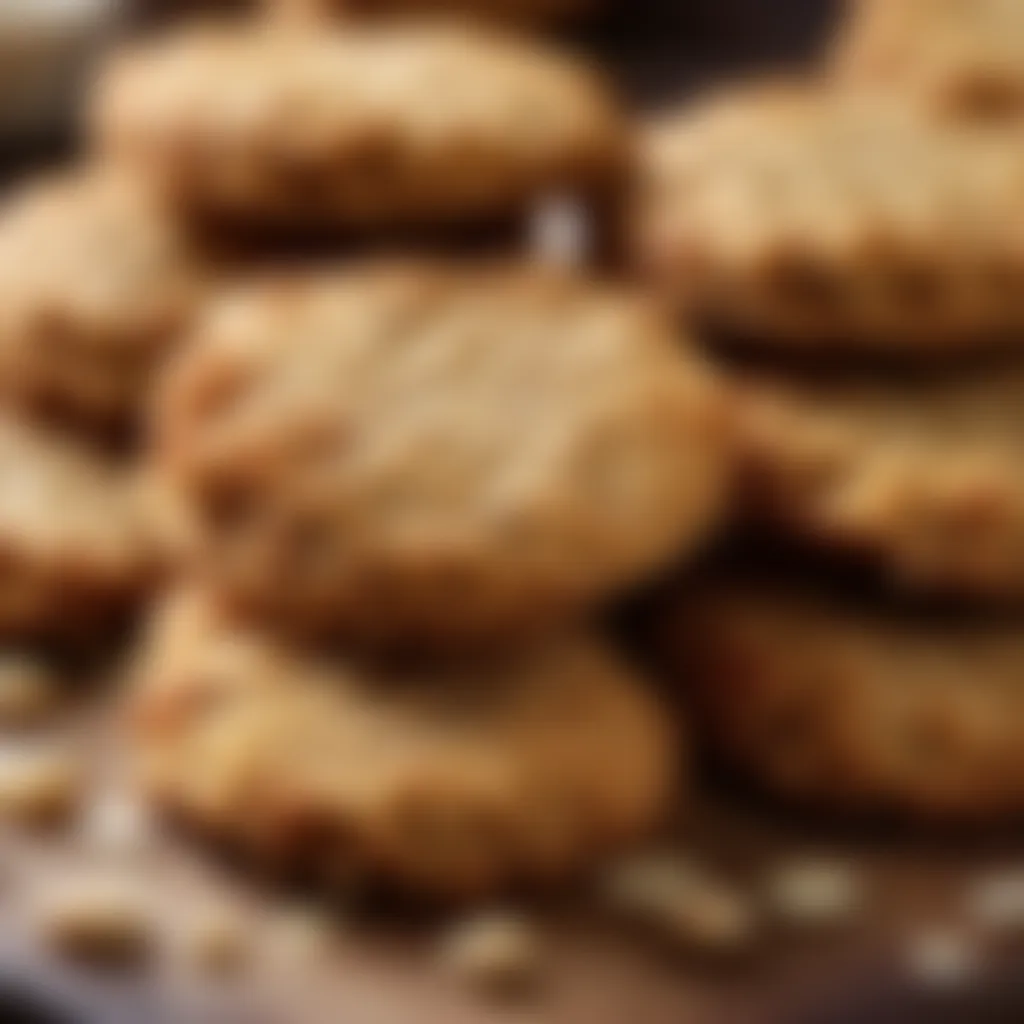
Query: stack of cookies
[[855, 246], [395, 491], [392, 494]]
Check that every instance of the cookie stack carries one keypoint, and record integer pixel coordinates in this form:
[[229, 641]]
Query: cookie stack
[[77, 336], [856, 246], [402, 487]]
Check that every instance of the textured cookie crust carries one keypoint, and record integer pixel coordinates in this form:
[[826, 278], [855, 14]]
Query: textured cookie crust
[[960, 57], [95, 286], [517, 12], [362, 127], [854, 711], [73, 545], [431, 452], [448, 780], [922, 478], [824, 222]]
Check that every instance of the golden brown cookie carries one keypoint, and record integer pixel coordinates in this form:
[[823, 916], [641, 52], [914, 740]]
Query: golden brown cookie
[[517, 12], [360, 127], [857, 710], [961, 57], [431, 452], [814, 222], [73, 546], [920, 477], [447, 779], [96, 285]]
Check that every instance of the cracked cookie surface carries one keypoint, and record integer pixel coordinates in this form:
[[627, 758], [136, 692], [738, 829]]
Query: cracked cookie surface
[[433, 452], [823, 223], [450, 778], [920, 478], [959, 57], [74, 546], [359, 128], [96, 284]]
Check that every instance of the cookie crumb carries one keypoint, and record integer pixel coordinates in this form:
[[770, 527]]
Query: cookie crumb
[[496, 952], [941, 959], [815, 893], [301, 935], [38, 787], [681, 903], [29, 694], [639, 885], [995, 902], [219, 943], [560, 232], [117, 825], [97, 922], [712, 918]]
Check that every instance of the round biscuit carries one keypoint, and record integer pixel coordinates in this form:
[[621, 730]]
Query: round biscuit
[[446, 779], [432, 452]]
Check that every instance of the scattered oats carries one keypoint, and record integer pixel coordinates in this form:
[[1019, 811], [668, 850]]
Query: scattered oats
[[495, 952], [219, 942], [996, 901], [38, 787], [97, 921], [815, 893], [117, 824], [29, 693], [302, 935], [560, 232], [941, 959], [711, 918], [681, 902], [640, 885]]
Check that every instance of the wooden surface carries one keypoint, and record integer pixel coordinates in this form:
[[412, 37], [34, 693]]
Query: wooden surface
[[380, 969]]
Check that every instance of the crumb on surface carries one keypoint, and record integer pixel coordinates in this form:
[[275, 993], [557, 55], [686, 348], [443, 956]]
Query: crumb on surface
[[497, 952]]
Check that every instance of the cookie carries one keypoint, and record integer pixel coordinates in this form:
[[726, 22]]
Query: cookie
[[441, 778], [958, 57], [517, 12], [96, 284], [919, 478], [435, 452], [73, 544], [853, 710], [813, 222], [358, 128]]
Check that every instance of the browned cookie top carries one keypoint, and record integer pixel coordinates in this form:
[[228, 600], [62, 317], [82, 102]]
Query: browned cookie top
[[434, 451], [824, 222], [73, 544], [453, 778], [920, 476], [962, 57], [96, 284], [850, 709], [518, 12], [360, 126]]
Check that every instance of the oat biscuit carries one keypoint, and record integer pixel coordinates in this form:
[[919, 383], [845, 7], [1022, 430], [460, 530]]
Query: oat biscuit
[[73, 546], [437, 452], [517, 12], [445, 778], [360, 128], [857, 710], [821, 223], [960, 57], [95, 286], [919, 478]]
